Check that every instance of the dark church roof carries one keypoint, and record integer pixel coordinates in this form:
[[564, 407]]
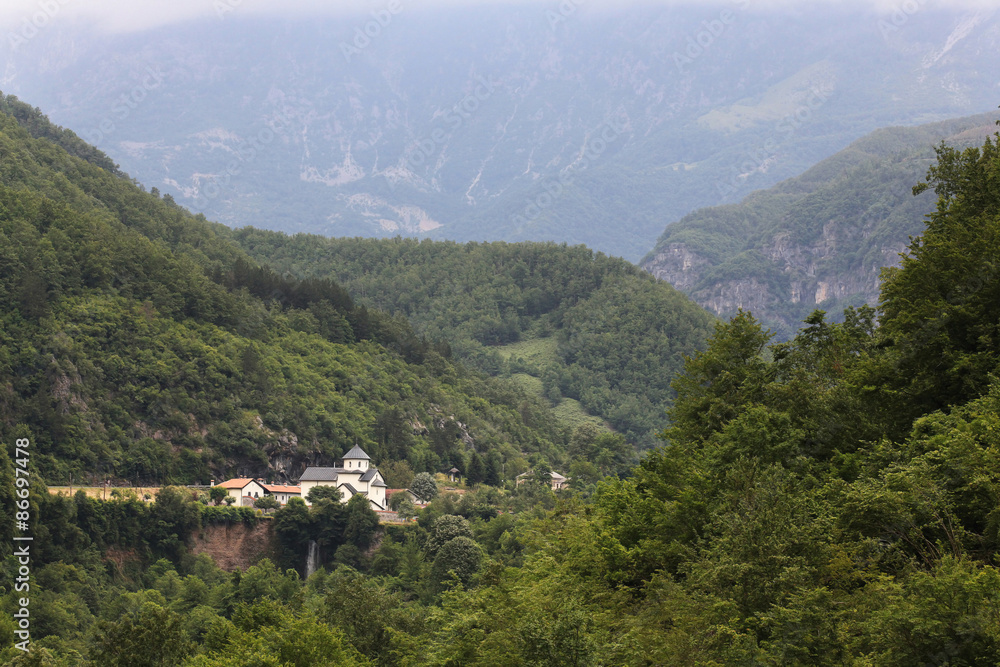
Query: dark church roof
[[314, 474], [357, 453]]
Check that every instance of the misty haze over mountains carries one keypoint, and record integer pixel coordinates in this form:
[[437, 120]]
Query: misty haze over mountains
[[534, 121]]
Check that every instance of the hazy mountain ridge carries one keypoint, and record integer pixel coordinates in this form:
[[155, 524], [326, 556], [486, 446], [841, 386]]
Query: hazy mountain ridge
[[497, 122], [818, 240]]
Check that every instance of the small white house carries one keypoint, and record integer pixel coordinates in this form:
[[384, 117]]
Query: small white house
[[283, 493], [557, 481], [244, 489], [389, 493], [354, 476]]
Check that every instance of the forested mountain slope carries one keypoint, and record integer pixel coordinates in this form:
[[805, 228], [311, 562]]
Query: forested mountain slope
[[831, 500], [816, 240], [583, 326], [137, 343]]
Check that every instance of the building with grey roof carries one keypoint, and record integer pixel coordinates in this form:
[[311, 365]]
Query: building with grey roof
[[353, 476]]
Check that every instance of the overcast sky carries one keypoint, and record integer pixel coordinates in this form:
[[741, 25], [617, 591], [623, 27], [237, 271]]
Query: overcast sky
[[130, 15]]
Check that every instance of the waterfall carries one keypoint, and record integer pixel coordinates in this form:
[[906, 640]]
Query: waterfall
[[312, 559]]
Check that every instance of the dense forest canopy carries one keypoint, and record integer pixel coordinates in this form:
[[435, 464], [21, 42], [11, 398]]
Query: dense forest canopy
[[616, 337]]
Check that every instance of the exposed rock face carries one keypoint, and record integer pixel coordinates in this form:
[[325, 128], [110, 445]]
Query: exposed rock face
[[819, 240], [236, 546], [747, 293], [677, 265], [808, 281], [284, 459]]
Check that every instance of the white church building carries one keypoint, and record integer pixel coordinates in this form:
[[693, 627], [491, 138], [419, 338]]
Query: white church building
[[354, 476]]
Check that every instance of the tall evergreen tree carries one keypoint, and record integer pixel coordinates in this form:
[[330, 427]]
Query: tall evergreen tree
[[941, 308], [476, 473]]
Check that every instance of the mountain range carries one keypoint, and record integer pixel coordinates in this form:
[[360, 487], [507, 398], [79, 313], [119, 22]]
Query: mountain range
[[509, 122]]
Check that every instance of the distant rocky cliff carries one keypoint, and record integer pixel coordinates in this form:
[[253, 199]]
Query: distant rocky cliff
[[806, 281], [816, 241]]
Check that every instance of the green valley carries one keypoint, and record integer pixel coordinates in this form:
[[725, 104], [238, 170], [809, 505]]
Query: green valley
[[592, 328], [639, 482]]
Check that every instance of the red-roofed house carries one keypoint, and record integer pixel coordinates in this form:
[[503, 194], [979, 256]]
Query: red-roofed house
[[244, 489], [283, 493]]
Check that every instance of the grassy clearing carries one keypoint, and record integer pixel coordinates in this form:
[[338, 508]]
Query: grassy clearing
[[777, 102], [570, 412], [540, 352], [536, 351], [529, 383]]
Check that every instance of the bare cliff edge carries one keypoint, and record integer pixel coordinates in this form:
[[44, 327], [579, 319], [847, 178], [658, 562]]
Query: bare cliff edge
[[818, 240], [236, 546]]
